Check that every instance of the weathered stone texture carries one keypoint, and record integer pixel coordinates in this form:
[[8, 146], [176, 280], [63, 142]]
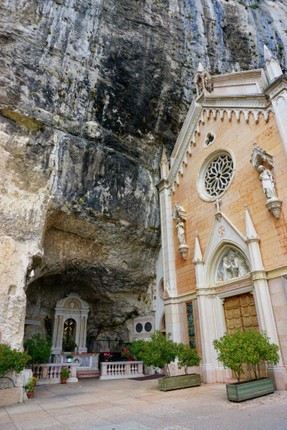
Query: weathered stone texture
[[90, 92]]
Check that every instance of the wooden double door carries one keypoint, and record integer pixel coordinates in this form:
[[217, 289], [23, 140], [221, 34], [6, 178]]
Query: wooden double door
[[240, 313]]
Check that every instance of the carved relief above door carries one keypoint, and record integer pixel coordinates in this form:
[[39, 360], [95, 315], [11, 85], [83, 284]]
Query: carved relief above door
[[240, 313]]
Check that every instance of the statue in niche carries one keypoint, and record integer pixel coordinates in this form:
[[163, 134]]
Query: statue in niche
[[263, 163], [233, 265], [267, 180], [180, 232], [179, 216]]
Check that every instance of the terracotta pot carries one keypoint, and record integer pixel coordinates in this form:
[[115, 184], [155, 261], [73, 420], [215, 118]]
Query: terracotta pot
[[30, 394], [63, 380]]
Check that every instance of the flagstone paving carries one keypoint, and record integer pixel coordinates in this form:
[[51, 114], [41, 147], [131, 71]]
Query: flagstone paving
[[139, 405]]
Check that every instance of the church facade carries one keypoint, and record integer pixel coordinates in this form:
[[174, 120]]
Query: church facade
[[223, 199]]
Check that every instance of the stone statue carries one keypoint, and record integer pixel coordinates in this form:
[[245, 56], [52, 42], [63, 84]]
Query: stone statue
[[179, 213], [180, 216], [267, 180], [181, 232], [227, 269], [239, 267], [233, 266], [263, 162]]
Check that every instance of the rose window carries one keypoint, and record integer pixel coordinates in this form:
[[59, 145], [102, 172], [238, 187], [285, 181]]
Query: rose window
[[218, 175], [215, 175]]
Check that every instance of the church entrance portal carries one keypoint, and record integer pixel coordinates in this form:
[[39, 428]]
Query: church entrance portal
[[240, 313]]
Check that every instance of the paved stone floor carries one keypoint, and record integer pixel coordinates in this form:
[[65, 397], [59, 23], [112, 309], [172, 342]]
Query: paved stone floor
[[139, 405]]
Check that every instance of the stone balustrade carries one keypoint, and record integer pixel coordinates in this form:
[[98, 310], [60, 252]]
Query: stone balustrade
[[51, 373], [121, 369]]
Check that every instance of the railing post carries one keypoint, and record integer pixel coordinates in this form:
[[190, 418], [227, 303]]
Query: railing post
[[73, 369], [44, 371]]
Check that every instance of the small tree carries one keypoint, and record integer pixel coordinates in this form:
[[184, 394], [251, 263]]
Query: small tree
[[137, 349], [259, 350], [187, 357], [159, 351], [11, 360], [39, 348], [245, 347]]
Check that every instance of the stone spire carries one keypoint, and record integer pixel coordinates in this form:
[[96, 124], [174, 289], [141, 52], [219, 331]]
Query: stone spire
[[250, 229], [200, 67], [272, 66], [197, 252]]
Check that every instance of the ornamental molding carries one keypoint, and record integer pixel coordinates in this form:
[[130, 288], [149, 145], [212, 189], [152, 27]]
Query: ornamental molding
[[280, 85], [182, 150], [217, 112], [257, 102]]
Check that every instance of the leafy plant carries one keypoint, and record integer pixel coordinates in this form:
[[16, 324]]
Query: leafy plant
[[69, 344], [259, 350], [65, 372], [137, 349], [157, 352], [126, 353], [31, 384], [69, 356], [245, 347], [187, 356], [11, 360], [39, 348]]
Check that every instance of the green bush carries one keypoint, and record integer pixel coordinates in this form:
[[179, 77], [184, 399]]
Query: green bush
[[39, 348], [245, 347], [187, 356], [160, 351], [11, 360]]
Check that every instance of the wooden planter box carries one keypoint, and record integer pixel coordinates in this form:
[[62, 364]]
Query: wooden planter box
[[176, 382], [240, 391]]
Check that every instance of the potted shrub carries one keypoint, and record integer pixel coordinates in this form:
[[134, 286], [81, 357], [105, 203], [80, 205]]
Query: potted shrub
[[160, 351], [69, 358], [187, 357], [69, 345], [65, 373], [30, 387], [247, 348]]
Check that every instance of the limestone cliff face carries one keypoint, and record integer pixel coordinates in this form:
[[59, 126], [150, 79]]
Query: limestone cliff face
[[90, 92]]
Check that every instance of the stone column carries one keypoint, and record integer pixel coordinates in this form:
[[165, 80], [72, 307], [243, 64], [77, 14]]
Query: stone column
[[173, 311], [55, 334], [176, 321], [206, 319], [262, 299]]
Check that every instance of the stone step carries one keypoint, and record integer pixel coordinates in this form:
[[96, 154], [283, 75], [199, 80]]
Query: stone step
[[81, 374]]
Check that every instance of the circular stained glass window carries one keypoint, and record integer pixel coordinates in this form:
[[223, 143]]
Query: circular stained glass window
[[215, 175], [139, 328], [148, 327]]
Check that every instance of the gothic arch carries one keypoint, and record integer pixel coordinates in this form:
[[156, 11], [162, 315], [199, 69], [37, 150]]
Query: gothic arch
[[228, 263]]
